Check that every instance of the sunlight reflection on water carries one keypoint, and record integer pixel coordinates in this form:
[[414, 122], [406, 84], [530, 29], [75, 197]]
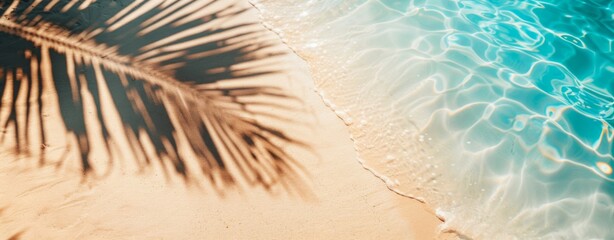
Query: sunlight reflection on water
[[515, 99]]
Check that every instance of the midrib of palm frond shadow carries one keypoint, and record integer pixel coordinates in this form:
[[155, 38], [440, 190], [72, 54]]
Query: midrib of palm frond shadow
[[152, 74]]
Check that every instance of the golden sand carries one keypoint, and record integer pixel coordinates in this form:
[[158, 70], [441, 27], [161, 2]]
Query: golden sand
[[338, 198]]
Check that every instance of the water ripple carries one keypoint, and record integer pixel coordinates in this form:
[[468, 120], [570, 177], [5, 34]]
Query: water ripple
[[499, 112]]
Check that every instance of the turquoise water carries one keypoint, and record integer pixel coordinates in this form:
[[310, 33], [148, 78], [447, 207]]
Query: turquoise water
[[498, 113]]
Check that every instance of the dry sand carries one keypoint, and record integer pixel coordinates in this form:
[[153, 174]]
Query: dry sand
[[343, 200]]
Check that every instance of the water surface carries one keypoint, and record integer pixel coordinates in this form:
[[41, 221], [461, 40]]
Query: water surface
[[499, 113]]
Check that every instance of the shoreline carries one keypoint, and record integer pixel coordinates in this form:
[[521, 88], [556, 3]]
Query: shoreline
[[348, 200]]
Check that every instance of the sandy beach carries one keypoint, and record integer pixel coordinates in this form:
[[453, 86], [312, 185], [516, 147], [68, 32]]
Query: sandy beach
[[306, 119], [346, 201], [337, 199]]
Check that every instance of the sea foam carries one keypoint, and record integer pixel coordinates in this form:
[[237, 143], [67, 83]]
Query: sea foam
[[500, 114]]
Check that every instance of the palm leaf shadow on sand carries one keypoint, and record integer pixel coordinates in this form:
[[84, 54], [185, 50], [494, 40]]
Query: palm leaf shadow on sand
[[157, 76]]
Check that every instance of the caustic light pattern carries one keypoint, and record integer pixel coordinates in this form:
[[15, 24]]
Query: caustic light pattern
[[500, 113]]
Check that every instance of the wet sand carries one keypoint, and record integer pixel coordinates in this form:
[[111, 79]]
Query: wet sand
[[339, 199]]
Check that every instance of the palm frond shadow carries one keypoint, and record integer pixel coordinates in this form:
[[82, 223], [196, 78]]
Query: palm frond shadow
[[157, 76]]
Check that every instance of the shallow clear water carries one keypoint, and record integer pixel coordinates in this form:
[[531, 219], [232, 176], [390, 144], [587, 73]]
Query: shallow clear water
[[499, 113]]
